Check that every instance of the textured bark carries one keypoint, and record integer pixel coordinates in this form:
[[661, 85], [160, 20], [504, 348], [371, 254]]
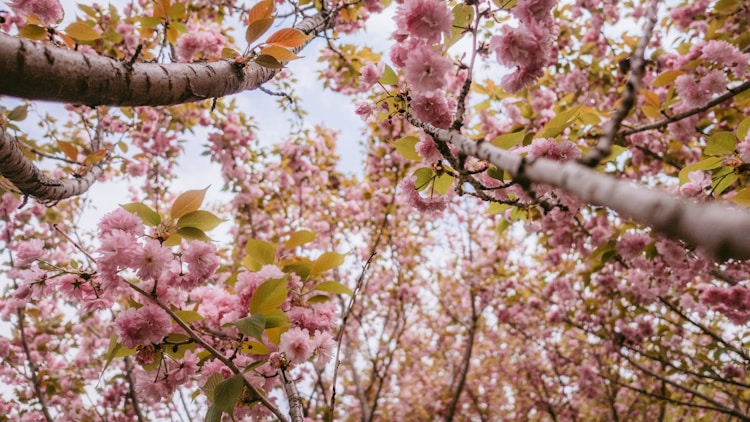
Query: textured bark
[[718, 228], [31, 181], [42, 72]]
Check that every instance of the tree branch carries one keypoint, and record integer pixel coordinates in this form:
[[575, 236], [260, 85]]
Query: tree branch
[[717, 228], [31, 181], [32, 367], [42, 72], [295, 406]]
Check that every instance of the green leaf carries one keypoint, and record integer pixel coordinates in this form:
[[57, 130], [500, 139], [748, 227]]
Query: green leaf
[[82, 32], [277, 318], [559, 123], [742, 128], [705, 164], [463, 16], [327, 261], [389, 76], [720, 143], [214, 414], [726, 6], [333, 287], [301, 268], [424, 176], [268, 296], [258, 254], [147, 215], [187, 202], [299, 238], [191, 233], [508, 140], [189, 316], [211, 383], [116, 350], [497, 208], [199, 219], [252, 326], [32, 32], [228, 392], [19, 113], [442, 183], [318, 299], [406, 147], [723, 181]]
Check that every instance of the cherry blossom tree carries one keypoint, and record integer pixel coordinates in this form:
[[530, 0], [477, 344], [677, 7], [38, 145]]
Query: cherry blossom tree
[[549, 223]]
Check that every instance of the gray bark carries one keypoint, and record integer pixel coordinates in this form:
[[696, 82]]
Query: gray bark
[[37, 71]]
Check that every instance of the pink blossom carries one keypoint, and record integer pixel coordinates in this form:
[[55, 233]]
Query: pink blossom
[[426, 70], [146, 325], [325, 345], [152, 260], [733, 302], [727, 55], [424, 19], [48, 11], [529, 10], [429, 204], [121, 219], [743, 149], [201, 258], [206, 43], [295, 344], [371, 74], [516, 47], [551, 149], [427, 149], [698, 182], [432, 108], [28, 251], [364, 110], [117, 251]]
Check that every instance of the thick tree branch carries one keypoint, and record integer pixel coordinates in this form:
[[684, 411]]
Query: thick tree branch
[[717, 228], [31, 181], [42, 72], [295, 405]]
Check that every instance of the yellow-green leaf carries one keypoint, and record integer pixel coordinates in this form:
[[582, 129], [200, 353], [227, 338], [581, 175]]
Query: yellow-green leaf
[[742, 128], [508, 140], [742, 197], [199, 219], [254, 348], [277, 318], [442, 183], [147, 215], [82, 32], [497, 208], [720, 143], [19, 113], [333, 287], [705, 164], [188, 201], [406, 147], [228, 392], [189, 316], [268, 296], [299, 238], [32, 32], [651, 111], [229, 53], [667, 77], [327, 261], [559, 123], [178, 11], [288, 37], [192, 233], [252, 326], [257, 28], [389, 76], [424, 176], [258, 253]]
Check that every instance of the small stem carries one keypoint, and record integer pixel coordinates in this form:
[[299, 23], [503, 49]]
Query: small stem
[[32, 367]]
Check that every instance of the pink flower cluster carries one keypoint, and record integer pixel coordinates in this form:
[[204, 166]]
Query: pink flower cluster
[[146, 325], [48, 11], [423, 204], [733, 302], [422, 25], [207, 44], [527, 48]]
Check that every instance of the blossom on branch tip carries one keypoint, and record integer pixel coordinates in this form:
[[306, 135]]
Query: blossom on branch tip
[[296, 345], [146, 325], [371, 74]]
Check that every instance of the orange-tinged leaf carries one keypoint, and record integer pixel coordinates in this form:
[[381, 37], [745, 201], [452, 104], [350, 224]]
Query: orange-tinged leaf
[[651, 98], [327, 261], [299, 238], [262, 10], [667, 77], [651, 111], [70, 42], [288, 37], [257, 28], [229, 53], [279, 53], [68, 149], [95, 157], [187, 202], [82, 32], [268, 61], [172, 34]]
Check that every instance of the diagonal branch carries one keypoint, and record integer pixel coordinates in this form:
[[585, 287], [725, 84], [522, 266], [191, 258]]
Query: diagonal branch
[[716, 227], [42, 72], [31, 181]]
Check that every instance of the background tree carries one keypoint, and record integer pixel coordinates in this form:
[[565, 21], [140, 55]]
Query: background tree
[[549, 223]]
